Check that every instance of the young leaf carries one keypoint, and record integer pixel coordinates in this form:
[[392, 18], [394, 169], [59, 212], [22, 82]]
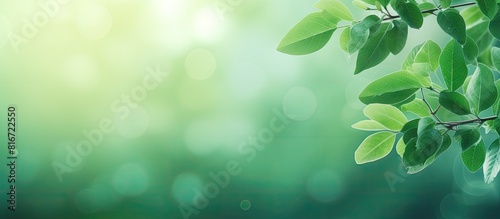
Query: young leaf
[[453, 65], [496, 105], [410, 13], [454, 102], [495, 57], [488, 7], [335, 8], [473, 157], [369, 125], [471, 51], [308, 36], [375, 147], [427, 52], [396, 37], [491, 164], [374, 51], [400, 147], [386, 115], [453, 24], [417, 107], [495, 26], [445, 3], [360, 4], [344, 38], [480, 34], [392, 88], [481, 91]]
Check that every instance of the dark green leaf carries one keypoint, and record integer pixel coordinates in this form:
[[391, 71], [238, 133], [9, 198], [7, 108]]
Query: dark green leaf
[[481, 92], [496, 105], [396, 37], [358, 37], [425, 124], [444, 146], [309, 35], [426, 146], [453, 65], [488, 7], [454, 102], [453, 24], [410, 13], [467, 138], [392, 88], [445, 3], [495, 26], [495, 57], [374, 51], [473, 157], [471, 51]]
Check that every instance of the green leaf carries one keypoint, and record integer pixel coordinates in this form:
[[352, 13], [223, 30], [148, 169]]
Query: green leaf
[[400, 147], [373, 22], [481, 36], [387, 115], [429, 53], [417, 107], [426, 6], [374, 51], [445, 3], [496, 105], [471, 15], [474, 157], [494, 26], [444, 146], [410, 13], [491, 164], [359, 36], [374, 147], [308, 36], [453, 65], [369, 125], [454, 102], [466, 84], [481, 91], [453, 24], [471, 51], [495, 57], [425, 124], [335, 8], [384, 2], [392, 88], [427, 145], [360, 4], [396, 37], [488, 7], [467, 138]]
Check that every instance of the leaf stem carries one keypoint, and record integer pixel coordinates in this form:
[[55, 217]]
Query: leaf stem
[[431, 11]]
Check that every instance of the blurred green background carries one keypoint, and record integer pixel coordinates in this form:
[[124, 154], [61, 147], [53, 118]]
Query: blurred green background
[[70, 65]]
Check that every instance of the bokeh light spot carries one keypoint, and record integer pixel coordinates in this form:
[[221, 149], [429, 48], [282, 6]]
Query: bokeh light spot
[[134, 125], [182, 188], [94, 21], [325, 186], [200, 64], [299, 103], [245, 205], [453, 206], [130, 180]]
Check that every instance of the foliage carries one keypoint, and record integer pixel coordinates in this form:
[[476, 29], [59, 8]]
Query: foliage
[[408, 108]]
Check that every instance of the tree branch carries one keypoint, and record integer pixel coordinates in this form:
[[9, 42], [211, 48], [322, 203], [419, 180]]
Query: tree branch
[[430, 11]]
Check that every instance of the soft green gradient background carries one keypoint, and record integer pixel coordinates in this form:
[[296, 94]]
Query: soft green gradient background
[[66, 78]]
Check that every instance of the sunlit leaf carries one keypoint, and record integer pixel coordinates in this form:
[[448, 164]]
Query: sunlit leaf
[[481, 91], [392, 88], [374, 147], [387, 115], [491, 164]]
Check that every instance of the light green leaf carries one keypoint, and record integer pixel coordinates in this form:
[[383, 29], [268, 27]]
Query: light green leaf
[[488, 7], [410, 13], [336, 8], [453, 65], [471, 51], [445, 3], [496, 105], [417, 107], [473, 157], [308, 36], [491, 164], [466, 84], [495, 57], [495, 26], [453, 24], [360, 4], [481, 91], [396, 37], [454, 102], [374, 51], [429, 53], [471, 15], [359, 35], [387, 115], [392, 88], [375, 147], [481, 36], [369, 125], [400, 147]]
